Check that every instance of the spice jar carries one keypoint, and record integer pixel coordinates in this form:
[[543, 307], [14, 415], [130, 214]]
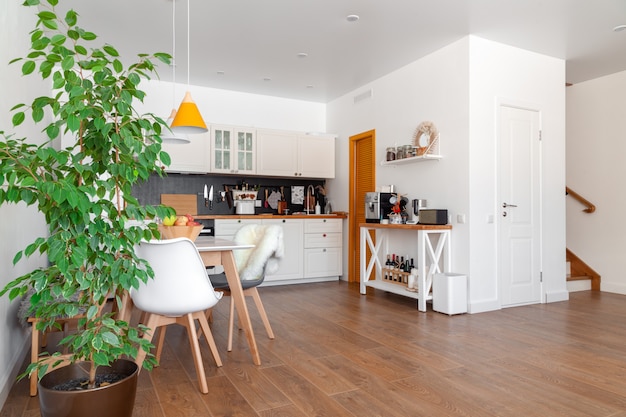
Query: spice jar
[[391, 153], [400, 152], [408, 151]]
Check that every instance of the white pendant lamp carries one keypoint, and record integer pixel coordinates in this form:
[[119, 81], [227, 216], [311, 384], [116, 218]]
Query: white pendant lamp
[[168, 136], [188, 119]]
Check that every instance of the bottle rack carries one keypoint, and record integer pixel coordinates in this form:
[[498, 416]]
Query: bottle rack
[[395, 276]]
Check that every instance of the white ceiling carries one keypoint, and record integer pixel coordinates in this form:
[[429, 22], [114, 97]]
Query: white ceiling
[[250, 40]]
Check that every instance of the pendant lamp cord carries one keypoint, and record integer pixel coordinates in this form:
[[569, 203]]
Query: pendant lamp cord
[[188, 41], [174, 52]]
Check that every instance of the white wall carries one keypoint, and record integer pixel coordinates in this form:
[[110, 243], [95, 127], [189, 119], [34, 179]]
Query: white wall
[[458, 88], [20, 225], [434, 88], [596, 146], [235, 108], [503, 74]]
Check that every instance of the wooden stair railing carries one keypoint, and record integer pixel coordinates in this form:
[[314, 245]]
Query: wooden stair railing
[[590, 207], [579, 270]]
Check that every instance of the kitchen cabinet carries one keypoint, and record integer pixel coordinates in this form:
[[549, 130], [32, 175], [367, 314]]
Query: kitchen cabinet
[[291, 265], [313, 248], [289, 154], [233, 150], [192, 157], [323, 248]]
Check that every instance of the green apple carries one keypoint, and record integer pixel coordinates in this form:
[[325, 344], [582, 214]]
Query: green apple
[[169, 220]]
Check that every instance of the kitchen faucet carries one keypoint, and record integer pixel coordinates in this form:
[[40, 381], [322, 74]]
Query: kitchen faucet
[[309, 192]]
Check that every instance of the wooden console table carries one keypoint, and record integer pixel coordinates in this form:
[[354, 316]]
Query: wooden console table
[[436, 258]]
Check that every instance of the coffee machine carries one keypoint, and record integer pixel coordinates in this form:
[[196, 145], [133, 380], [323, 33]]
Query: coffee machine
[[378, 206]]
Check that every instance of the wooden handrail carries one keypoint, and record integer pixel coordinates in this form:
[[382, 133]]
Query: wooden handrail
[[590, 207]]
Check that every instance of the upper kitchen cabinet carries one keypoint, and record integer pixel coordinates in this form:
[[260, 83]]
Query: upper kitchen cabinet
[[289, 154], [192, 157], [233, 150]]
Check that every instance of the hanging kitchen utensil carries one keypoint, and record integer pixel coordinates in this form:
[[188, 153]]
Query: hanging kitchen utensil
[[229, 197], [282, 204], [273, 199], [266, 194]]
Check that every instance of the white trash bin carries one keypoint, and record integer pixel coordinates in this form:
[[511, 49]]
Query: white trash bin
[[450, 293]]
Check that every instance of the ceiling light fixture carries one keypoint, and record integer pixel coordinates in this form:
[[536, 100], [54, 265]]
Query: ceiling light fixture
[[619, 28], [352, 17], [168, 136], [188, 118], [302, 55]]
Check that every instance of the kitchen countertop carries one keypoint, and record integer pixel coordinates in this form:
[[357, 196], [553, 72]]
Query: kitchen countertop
[[341, 215]]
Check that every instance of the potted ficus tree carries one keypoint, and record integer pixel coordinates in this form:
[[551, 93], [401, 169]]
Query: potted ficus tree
[[83, 189]]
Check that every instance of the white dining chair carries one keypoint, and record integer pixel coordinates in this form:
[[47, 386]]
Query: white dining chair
[[179, 293]]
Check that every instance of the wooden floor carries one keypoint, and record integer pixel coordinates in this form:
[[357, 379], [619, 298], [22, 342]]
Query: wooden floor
[[338, 353]]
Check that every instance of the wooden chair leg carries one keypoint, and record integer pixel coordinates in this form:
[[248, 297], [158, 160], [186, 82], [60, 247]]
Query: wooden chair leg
[[204, 326], [190, 324], [231, 324], [259, 305]]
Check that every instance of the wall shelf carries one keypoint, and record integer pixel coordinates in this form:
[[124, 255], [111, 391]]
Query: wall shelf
[[421, 158]]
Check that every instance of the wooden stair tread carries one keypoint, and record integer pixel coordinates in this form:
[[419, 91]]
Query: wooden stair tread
[[578, 277]]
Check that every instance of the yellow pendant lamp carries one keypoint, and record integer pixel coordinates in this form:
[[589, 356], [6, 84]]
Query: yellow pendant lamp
[[188, 119]]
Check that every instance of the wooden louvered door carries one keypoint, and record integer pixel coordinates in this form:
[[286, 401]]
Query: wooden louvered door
[[362, 180]]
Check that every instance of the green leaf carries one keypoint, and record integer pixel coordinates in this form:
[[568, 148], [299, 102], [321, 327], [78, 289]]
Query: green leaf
[[52, 131], [28, 67], [68, 63], [117, 66], [70, 18], [18, 118], [110, 50], [37, 114], [58, 39], [111, 338], [88, 36]]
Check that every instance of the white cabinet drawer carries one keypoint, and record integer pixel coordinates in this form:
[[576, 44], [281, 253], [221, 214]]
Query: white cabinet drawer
[[322, 226], [322, 240], [228, 228], [322, 262]]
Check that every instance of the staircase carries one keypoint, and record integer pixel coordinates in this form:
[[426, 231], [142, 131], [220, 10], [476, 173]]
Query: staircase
[[580, 276]]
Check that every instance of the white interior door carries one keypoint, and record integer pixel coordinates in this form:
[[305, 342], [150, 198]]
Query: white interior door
[[519, 211]]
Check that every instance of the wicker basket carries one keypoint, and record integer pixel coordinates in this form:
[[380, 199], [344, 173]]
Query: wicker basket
[[172, 232]]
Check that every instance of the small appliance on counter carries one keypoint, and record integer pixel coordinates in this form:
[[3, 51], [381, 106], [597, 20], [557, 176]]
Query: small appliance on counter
[[433, 217], [378, 206], [244, 201]]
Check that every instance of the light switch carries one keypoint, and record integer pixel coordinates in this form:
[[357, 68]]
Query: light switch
[[460, 218]]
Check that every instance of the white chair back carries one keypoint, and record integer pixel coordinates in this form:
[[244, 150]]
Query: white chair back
[[180, 284]]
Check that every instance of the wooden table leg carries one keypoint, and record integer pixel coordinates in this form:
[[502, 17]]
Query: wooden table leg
[[236, 292]]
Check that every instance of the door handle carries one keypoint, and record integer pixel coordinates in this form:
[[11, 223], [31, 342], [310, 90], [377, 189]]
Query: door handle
[[505, 205]]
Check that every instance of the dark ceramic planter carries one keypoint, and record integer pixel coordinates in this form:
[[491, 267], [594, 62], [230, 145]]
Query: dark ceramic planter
[[116, 399]]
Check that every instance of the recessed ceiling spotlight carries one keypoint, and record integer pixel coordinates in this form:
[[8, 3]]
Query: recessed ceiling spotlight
[[309, 86], [267, 79], [302, 54], [619, 28], [220, 73], [352, 17]]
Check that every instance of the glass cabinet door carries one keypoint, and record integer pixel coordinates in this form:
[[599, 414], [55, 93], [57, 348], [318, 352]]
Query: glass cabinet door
[[245, 151], [221, 150]]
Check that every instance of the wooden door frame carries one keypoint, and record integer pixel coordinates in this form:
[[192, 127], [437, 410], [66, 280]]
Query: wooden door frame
[[353, 275]]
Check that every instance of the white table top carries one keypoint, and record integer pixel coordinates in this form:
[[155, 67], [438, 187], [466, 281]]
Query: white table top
[[215, 244]]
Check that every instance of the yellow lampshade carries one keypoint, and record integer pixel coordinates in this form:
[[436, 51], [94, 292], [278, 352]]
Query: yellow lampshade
[[188, 119]]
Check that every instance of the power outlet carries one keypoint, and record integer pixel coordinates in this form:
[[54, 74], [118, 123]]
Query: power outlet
[[257, 203]]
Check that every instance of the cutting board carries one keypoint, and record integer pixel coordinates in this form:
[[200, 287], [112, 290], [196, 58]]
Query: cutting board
[[182, 203]]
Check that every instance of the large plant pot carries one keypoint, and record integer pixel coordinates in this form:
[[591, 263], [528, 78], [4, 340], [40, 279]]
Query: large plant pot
[[116, 399]]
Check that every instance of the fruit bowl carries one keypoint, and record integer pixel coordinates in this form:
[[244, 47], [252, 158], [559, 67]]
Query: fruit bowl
[[172, 232]]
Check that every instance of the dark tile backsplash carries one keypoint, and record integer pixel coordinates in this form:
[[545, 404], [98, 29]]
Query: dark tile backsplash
[[149, 193]]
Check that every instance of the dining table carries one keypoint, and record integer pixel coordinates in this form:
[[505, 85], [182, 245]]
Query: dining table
[[216, 251]]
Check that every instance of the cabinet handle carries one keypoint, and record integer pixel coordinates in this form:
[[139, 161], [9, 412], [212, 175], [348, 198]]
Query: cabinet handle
[[324, 235], [284, 221], [324, 250]]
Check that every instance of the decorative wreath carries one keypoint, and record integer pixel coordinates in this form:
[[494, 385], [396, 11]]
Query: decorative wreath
[[429, 130]]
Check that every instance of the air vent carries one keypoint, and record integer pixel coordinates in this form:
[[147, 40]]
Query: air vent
[[363, 96]]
